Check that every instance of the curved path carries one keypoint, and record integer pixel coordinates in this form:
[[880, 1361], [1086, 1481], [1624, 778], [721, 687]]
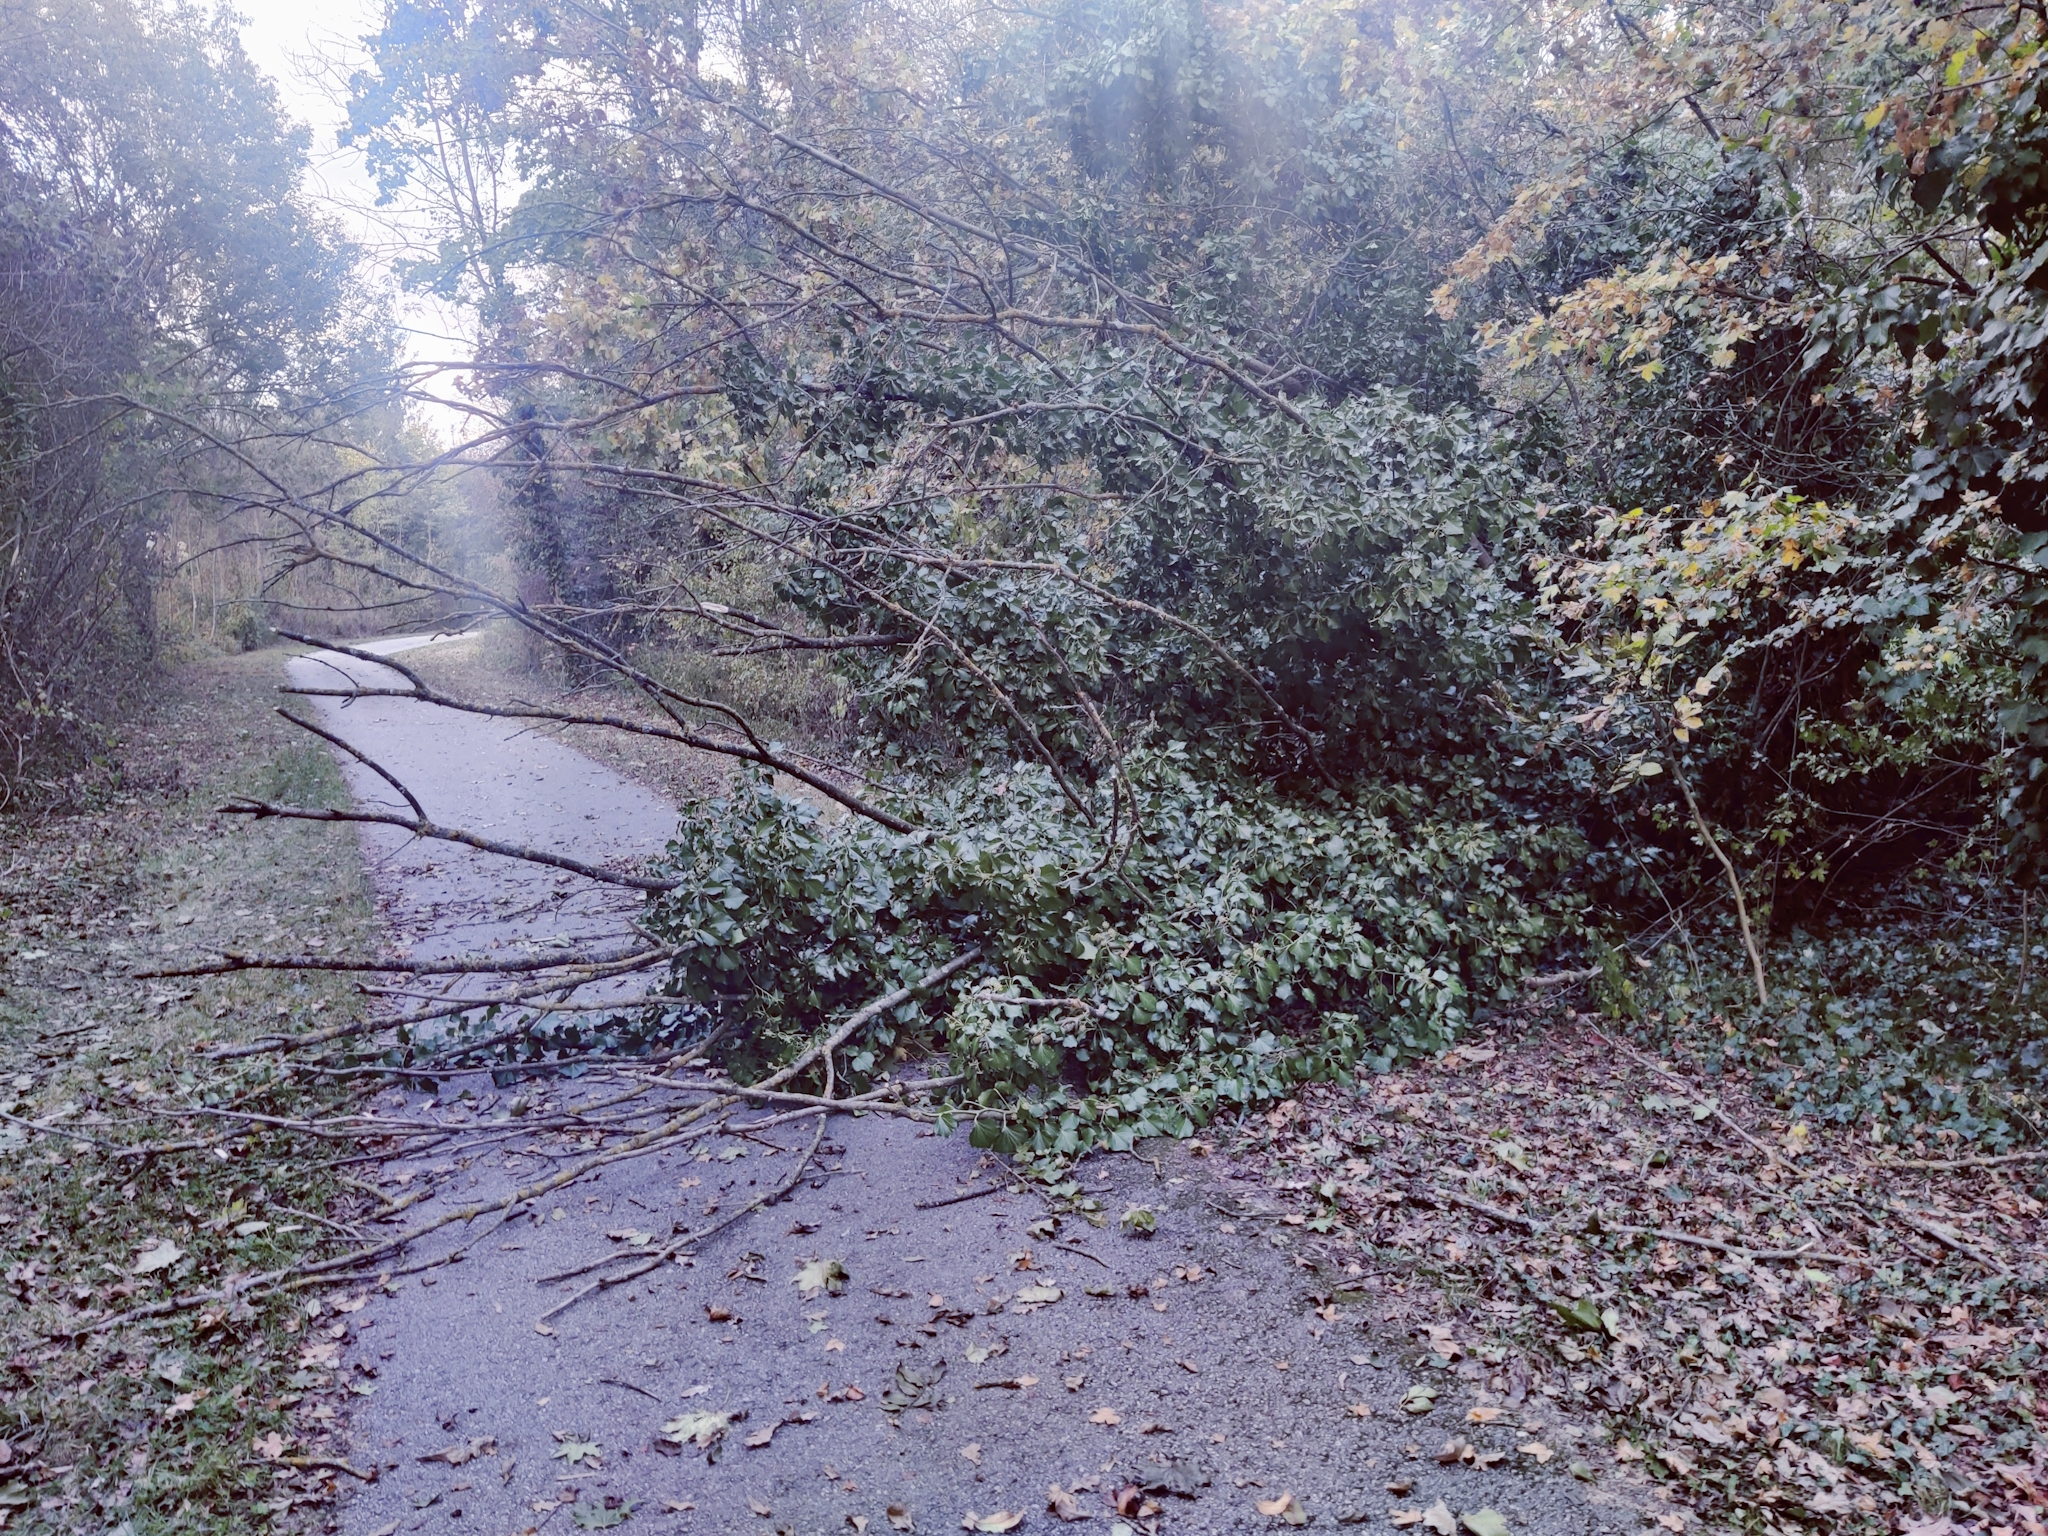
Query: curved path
[[1194, 1365]]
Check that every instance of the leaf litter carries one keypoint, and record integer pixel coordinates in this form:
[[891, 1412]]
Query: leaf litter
[[1803, 1331]]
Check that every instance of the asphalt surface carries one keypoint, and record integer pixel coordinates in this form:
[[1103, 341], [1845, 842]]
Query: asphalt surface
[[1227, 1360]]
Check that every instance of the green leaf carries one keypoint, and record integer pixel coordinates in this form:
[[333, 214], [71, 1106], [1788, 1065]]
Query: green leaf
[[1583, 1313]]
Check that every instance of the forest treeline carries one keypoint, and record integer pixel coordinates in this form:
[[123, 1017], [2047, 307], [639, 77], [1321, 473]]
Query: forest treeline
[[1302, 517]]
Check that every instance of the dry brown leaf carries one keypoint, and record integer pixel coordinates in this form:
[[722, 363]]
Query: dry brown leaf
[[899, 1517], [1405, 1517], [1063, 1504], [972, 1453], [1537, 1449], [998, 1520], [1438, 1518], [1360, 1410], [1105, 1416], [455, 1455], [763, 1510]]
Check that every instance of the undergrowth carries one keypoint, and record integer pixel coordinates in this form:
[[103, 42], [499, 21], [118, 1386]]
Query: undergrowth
[[1917, 1020]]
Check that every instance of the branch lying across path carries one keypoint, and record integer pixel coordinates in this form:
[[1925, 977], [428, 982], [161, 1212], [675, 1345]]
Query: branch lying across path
[[689, 1239], [262, 810], [462, 965], [752, 752], [688, 1124]]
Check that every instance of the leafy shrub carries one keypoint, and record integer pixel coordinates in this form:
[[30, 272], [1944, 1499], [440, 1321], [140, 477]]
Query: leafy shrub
[[1228, 949]]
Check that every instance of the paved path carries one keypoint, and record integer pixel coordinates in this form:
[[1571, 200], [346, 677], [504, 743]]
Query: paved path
[[1194, 1365]]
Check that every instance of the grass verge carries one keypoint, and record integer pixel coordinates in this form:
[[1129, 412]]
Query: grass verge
[[215, 1417]]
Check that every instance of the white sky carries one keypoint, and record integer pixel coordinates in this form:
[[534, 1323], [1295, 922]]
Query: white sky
[[310, 50]]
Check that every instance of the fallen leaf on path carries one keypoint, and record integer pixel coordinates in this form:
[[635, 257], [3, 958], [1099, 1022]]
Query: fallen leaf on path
[[972, 1453], [1419, 1398], [676, 1506], [858, 1522], [1482, 1415], [1075, 1383], [1623, 1451], [1360, 1410], [835, 1346], [1105, 1416], [899, 1517], [270, 1447], [464, 1451], [704, 1430], [1405, 1517], [1039, 1295], [1537, 1449], [826, 1276], [1000, 1520], [544, 1330], [1287, 1507], [717, 1314], [914, 1387], [760, 1437], [1063, 1504], [1438, 1518], [575, 1451], [1486, 1522], [763, 1510], [1190, 1367]]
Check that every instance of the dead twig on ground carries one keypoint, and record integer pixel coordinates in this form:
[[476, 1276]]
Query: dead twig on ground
[[1947, 1236], [655, 1261]]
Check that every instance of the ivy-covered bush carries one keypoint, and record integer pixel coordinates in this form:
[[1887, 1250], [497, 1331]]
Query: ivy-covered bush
[[1227, 949]]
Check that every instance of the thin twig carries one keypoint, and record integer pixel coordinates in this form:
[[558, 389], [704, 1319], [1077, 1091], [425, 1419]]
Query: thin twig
[[655, 1261], [972, 1194]]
